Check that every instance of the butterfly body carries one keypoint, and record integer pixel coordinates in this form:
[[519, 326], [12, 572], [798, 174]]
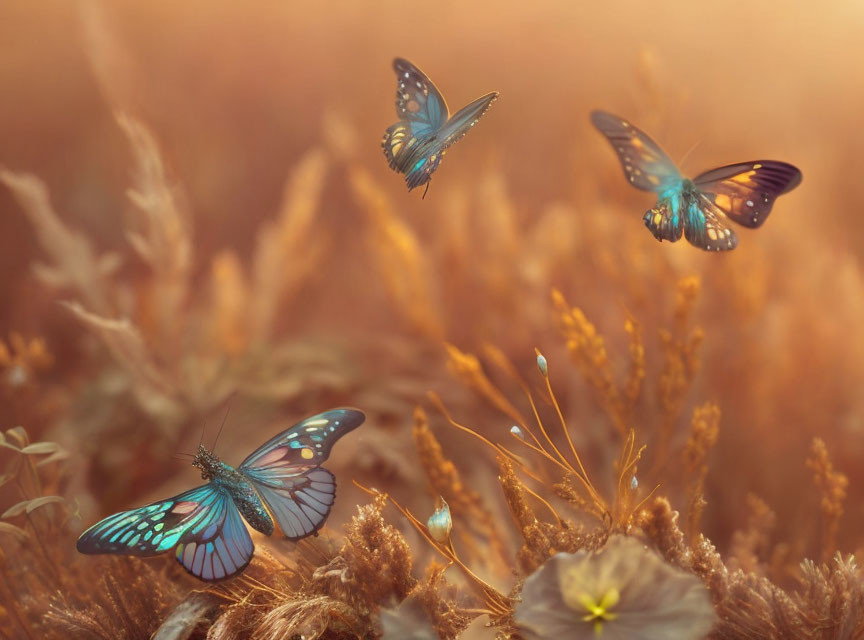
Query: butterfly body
[[281, 483], [698, 209], [415, 145], [236, 485]]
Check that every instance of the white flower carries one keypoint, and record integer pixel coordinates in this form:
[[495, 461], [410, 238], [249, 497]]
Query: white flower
[[623, 592]]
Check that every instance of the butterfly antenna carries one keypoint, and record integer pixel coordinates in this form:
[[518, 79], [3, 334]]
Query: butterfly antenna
[[426, 190], [203, 429], [689, 151], [224, 418]]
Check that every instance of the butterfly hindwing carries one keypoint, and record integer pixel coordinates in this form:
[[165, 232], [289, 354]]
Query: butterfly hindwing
[[664, 224], [286, 474], [218, 546], [746, 191], [299, 499], [645, 164], [396, 144], [418, 100], [705, 227]]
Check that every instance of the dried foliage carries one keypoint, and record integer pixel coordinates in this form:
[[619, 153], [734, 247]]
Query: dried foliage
[[157, 292]]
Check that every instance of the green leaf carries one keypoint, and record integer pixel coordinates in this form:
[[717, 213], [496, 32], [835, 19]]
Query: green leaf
[[40, 448]]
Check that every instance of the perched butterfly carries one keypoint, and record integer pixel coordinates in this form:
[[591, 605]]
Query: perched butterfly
[[280, 481], [415, 145], [698, 208]]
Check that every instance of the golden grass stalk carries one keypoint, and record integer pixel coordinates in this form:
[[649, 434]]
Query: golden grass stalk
[[832, 485], [587, 349], [704, 429], [127, 346], [467, 506], [399, 259], [680, 349], [74, 262], [289, 249], [163, 237]]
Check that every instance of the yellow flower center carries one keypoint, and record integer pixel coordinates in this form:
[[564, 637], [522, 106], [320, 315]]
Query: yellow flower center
[[598, 611]]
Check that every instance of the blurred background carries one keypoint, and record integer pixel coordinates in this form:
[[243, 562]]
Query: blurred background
[[266, 258]]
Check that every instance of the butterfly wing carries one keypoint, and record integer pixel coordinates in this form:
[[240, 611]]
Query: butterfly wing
[[421, 172], [746, 191], [286, 474], [645, 164], [418, 101], [664, 224], [396, 143], [217, 546], [462, 121], [705, 226], [212, 541], [151, 529]]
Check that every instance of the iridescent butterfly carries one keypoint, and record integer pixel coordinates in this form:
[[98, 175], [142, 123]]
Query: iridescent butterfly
[[698, 208], [415, 145], [282, 480]]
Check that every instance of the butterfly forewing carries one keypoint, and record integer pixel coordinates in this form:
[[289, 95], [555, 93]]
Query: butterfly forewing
[[286, 473], [151, 529], [462, 121], [418, 100], [306, 443], [645, 164], [746, 191]]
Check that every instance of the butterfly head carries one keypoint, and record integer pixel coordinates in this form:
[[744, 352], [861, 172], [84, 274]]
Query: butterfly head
[[207, 461]]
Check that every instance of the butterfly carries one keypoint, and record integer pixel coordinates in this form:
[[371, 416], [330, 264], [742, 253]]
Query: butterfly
[[700, 208], [415, 145], [282, 480]]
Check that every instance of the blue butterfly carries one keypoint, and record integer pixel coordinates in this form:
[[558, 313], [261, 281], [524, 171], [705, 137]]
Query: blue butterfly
[[698, 208], [281, 480], [415, 145]]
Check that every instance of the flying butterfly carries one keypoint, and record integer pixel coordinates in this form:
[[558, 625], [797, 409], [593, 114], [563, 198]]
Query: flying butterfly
[[700, 208], [415, 145], [282, 480]]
